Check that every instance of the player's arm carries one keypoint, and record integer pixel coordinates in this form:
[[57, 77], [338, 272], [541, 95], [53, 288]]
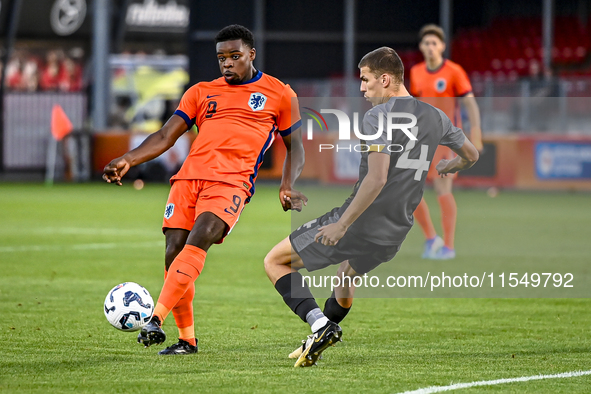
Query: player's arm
[[469, 102], [292, 168], [466, 157], [371, 186], [152, 147]]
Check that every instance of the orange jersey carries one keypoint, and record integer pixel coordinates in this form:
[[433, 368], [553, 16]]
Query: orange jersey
[[237, 124], [449, 80]]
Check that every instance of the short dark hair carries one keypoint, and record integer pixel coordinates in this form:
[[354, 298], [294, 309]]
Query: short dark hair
[[235, 32], [432, 29], [384, 60]]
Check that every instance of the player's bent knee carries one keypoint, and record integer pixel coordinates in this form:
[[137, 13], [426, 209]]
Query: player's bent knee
[[169, 257], [175, 242], [279, 255], [346, 270], [173, 249], [272, 259], [208, 229]]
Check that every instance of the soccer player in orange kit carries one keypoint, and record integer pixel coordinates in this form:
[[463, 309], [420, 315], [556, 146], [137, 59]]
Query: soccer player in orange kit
[[238, 117], [439, 81]]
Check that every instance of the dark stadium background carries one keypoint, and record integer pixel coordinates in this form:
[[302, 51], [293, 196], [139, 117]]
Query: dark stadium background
[[313, 45], [117, 68]]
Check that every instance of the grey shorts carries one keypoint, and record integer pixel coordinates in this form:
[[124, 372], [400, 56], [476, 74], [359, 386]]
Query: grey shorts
[[363, 255]]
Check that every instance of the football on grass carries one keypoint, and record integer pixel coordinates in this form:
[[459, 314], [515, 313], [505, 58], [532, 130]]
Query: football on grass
[[128, 306]]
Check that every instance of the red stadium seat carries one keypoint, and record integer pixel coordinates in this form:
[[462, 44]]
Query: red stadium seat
[[508, 44]]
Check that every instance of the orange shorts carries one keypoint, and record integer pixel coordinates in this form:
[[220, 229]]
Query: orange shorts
[[442, 152], [190, 198]]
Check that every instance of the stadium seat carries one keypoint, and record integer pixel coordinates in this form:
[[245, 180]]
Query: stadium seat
[[507, 45]]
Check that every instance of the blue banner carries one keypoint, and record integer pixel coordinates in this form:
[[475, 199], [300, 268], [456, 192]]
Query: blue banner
[[563, 160]]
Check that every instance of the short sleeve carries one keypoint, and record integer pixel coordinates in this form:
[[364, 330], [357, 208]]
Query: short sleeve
[[377, 143], [288, 118], [453, 137], [188, 107], [462, 85]]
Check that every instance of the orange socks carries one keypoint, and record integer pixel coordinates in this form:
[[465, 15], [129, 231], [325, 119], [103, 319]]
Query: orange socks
[[180, 279], [183, 310], [449, 214], [188, 334], [423, 216], [183, 315]]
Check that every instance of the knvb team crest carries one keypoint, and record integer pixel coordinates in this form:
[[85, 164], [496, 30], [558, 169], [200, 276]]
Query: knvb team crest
[[440, 85], [257, 101], [169, 211]]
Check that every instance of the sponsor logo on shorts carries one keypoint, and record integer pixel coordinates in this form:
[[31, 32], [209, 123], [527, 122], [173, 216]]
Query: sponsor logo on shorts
[[169, 211]]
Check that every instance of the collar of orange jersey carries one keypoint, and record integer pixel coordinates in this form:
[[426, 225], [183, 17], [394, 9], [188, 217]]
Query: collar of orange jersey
[[435, 71], [258, 76]]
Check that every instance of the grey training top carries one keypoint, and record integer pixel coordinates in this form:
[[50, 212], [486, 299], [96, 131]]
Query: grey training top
[[389, 218]]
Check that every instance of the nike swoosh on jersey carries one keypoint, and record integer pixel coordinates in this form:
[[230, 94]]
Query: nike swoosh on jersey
[[213, 95], [184, 273]]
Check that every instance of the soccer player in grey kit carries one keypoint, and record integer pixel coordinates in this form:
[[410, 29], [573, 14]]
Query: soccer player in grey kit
[[370, 226]]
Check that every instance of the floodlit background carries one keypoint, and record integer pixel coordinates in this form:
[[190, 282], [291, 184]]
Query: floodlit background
[[118, 69]]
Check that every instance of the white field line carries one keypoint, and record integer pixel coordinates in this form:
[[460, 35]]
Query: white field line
[[457, 386], [80, 231], [90, 246]]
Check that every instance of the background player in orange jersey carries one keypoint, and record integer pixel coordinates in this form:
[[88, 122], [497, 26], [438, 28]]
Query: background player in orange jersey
[[439, 82], [238, 117]]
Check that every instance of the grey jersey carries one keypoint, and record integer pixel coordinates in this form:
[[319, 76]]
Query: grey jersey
[[389, 218]]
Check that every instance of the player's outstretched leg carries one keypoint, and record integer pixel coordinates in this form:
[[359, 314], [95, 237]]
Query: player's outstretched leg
[[183, 310], [337, 306], [152, 333], [180, 348], [334, 312], [318, 342], [330, 307], [183, 272], [281, 264]]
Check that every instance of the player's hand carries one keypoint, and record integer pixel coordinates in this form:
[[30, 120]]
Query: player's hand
[[292, 199], [115, 170], [330, 234], [441, 168]]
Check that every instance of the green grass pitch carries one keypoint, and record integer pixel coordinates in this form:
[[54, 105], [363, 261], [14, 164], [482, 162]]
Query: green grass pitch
[[63, 248]]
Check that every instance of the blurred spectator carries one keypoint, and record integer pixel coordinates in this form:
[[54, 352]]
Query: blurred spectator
[[50, 74], [27, 72], [536, 109], [541, 84], [30, 76], [70, 77], [14, 74]]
